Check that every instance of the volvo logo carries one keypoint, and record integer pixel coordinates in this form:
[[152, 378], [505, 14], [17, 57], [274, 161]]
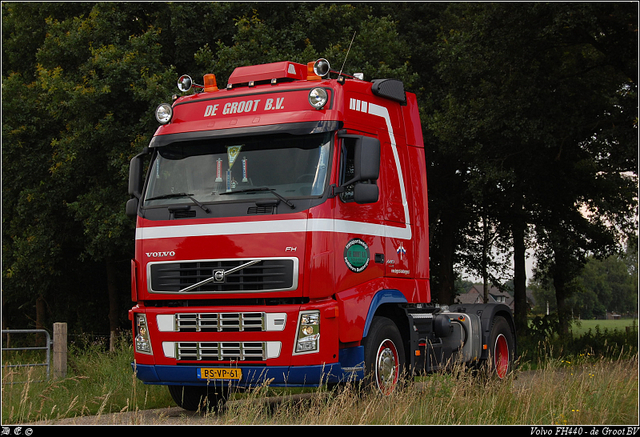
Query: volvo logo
[[160, 254], [218, 276]]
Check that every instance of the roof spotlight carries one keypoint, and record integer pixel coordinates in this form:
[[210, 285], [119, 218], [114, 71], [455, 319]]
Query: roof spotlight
[[318, 97], [321, 67], [184, 83], [164, 112]]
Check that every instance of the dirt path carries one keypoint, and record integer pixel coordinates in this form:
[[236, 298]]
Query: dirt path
[[162, 416]]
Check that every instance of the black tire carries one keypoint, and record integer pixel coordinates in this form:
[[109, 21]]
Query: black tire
[[501, 349], [203, 398], [383, 356]]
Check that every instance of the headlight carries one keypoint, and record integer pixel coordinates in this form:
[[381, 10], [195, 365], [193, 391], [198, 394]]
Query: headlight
[[143, 343], [164, 112], [318, 97], [308, 338]]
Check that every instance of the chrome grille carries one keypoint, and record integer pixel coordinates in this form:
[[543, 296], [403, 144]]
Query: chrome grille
[[224, 276], [220, 351], [219, 322]]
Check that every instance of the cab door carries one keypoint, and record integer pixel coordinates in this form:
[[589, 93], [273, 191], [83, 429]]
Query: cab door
[[359, 215]]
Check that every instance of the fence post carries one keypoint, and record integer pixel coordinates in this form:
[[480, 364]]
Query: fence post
[[59, 350]]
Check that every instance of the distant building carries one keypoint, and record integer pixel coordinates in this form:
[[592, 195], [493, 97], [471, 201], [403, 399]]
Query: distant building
[[476, 295]]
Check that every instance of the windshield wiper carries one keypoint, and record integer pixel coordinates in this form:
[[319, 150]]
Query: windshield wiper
[[271, 190], [172, 195]]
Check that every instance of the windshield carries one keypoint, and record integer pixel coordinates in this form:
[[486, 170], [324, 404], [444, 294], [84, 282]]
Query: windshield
[[206, 172]]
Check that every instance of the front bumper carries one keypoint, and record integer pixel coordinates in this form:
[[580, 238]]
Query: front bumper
[[350, 368], [265, 355]]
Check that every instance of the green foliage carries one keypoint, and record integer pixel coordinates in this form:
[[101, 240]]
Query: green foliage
[[529, 114], [542, 343], [609, 284]]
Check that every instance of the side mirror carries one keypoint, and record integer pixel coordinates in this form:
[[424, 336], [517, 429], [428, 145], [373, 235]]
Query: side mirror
[[136, 182], [366, 168], [135, 175], [367, 159]]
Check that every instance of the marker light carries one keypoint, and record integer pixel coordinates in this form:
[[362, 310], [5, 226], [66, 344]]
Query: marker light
[[184, 83], [318, 97], [164, 112], [210, 83]]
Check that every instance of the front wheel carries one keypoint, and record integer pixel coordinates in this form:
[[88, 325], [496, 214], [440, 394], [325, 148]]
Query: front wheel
[[384, 356], [203, 398]]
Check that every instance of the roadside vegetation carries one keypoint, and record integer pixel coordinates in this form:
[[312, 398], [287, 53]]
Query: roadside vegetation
[[572, 384]]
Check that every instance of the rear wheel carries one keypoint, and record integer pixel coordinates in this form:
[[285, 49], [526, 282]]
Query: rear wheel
[[384, 356], [203, 398], [502, 343]]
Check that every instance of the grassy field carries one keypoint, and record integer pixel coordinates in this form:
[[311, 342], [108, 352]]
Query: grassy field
[[581, 327], [585, 390]]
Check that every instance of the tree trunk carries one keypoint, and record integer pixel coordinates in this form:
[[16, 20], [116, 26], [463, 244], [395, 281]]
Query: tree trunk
[[486, 247], [520, 277], [41, 314], [113, 302], [560, 284], [446, 277]]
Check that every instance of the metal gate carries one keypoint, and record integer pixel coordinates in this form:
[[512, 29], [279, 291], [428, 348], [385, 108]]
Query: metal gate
[[47, 348]]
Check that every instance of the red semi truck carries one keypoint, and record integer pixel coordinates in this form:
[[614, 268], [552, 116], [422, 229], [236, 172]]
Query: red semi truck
[[282, 236]]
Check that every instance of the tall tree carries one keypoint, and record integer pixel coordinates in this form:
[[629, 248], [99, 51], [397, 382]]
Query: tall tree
[[96, 79], [527, 103]]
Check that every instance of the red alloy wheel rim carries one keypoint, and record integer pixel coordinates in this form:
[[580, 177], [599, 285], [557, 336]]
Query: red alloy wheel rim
[[501, 356]]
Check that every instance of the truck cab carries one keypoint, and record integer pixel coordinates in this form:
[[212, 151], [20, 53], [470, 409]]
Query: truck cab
[[282, 236]]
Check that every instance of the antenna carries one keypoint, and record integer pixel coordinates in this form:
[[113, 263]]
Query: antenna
[[347, 55]]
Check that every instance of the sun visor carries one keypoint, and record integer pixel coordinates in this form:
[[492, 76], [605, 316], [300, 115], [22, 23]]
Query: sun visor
[[304, 128], [392, 89]]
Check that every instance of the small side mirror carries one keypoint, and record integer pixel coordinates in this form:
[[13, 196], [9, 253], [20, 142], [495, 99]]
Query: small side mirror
[[365, 193], [132, 207]]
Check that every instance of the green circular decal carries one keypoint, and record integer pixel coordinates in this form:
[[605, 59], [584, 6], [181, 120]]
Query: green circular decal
[[356, 255]]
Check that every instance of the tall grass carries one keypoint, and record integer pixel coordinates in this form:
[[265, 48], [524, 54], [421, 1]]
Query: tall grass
[[97, 382], [591, 392], [582, 390]]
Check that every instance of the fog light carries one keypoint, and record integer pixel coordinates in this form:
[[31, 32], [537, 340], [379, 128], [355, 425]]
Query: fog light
[[318, 97], [164, 112], [308, 339]]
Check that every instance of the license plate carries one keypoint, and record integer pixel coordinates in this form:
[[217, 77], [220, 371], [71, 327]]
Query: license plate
[[219, 373]]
